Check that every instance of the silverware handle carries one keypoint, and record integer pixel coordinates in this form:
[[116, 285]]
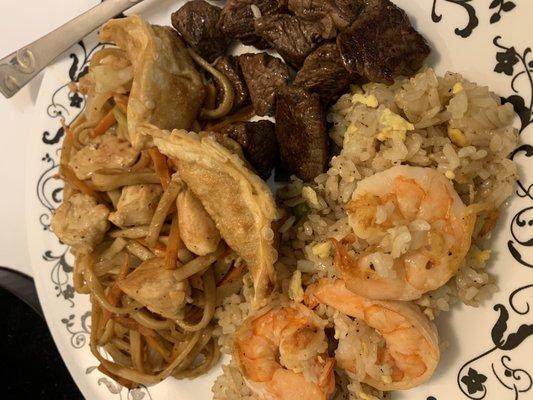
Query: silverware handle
[[21, 66]]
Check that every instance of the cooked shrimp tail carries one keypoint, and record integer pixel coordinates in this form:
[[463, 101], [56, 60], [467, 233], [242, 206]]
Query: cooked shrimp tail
[[282, 354], [418, 232], [405, 342]]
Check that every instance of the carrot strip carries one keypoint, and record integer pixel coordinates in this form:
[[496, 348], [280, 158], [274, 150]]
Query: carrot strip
[[115, 292], [105, 123], [161, 166], [130, 323], [157, 346], [70, 177], [173, 244]]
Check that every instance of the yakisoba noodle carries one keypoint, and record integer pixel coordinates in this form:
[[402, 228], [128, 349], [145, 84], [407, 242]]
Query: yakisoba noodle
[[134, 343]]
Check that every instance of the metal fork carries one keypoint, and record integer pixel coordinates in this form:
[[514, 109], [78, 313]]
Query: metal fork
[[21, 66]]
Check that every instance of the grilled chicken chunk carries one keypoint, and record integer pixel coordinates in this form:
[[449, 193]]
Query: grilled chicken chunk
[[81, 222], [106, 151], [136, 205], [156, 287]]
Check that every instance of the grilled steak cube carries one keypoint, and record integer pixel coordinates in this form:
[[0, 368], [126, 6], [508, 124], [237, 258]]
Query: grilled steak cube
[[265, 76], [381, 44], [197, 23], [324, 73], [301, 132]]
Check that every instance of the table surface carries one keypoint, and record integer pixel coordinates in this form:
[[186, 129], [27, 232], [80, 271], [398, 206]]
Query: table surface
[[21, 23]]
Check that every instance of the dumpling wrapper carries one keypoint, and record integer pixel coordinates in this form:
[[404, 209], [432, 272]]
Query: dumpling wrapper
[[239, 202], [167, 90]]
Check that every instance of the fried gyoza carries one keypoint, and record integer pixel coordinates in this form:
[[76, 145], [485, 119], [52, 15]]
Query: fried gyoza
[[167, 90], [239, 202]]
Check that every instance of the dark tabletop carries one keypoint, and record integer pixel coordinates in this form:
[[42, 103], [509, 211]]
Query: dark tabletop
[[32, 367]]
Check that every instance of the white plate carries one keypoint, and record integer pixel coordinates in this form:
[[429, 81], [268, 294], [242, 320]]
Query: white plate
[[489, 354]]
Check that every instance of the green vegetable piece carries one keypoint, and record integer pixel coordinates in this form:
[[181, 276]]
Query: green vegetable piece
[[300, 210]]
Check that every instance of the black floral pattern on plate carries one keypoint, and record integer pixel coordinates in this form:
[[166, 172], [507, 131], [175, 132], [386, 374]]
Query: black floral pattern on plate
[[140, 393], [60, 275], [474, 381], [64, 106], [57, 108], [473, 20], [79, 333], [499, 7], [519, 65]]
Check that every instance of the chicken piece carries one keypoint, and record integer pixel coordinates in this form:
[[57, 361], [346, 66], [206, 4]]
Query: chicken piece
[[156, 288], [106, 151], [265, 76], [81, 222], [197, 229], [239, 202], [136, 205]]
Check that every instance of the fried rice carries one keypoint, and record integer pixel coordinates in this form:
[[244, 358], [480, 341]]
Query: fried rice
[[447, 123]]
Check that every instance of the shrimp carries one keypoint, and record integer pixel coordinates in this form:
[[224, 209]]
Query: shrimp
[[407, 350], [282, 353], [418, 232]]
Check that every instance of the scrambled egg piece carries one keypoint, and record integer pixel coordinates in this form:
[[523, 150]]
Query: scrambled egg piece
[[450, 174], [457, 137], [429, 314], [458, 87], [350, 131], [296, 293], [310, 195], [480, 255], [322, 250], [394, 125], [369, 101], [364, 396]]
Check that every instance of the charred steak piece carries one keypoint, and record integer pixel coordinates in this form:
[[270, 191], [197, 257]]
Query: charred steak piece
[[381, 44], [292, 37], [301, 132], [197, 23], [335, 15], [258, 142], [265, 76], [237, 19], [324, 73], [230, 67]]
